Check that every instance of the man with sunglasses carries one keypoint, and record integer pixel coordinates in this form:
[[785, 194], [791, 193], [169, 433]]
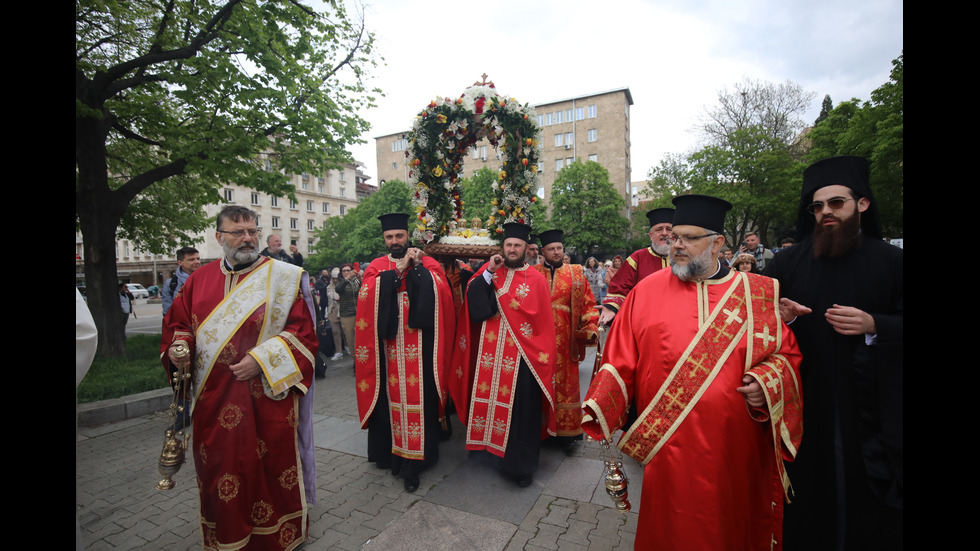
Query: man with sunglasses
[[701, 374], [248, 322], [843, 297]]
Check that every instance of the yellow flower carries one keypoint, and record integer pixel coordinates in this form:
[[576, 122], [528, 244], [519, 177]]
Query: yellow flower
[[440, 118], [502, 175], [437, 171]]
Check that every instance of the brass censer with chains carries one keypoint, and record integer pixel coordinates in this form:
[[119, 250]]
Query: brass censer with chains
[[615, 479], [175, 440]]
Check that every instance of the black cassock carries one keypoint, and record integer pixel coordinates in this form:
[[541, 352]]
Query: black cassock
[[848, 474]]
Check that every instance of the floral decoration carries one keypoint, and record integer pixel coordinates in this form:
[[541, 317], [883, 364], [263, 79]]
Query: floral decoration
[[442, 134]]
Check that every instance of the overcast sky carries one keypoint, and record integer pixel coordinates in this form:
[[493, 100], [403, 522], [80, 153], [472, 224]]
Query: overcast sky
[[674, 56]]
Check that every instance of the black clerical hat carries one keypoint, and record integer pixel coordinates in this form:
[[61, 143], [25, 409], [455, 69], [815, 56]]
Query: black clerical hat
[[394, 221], [701, 210], [660, 216], [551, 236], [518, 231]]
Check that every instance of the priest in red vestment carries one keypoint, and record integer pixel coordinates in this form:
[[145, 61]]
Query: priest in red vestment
[[404, 338], [576, 326], [639, 264], [248, 321], [711, 374], [502, 380]]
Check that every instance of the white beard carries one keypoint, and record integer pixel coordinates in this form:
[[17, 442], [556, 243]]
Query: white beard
[[698, 267], [237, 254]]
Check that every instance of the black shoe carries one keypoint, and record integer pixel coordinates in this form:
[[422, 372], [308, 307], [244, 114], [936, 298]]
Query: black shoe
[[523, 481], [411, 484]]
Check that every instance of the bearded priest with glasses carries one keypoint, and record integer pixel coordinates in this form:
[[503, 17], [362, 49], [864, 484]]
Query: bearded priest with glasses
[[844, 300], [703, 376], [248, 322]]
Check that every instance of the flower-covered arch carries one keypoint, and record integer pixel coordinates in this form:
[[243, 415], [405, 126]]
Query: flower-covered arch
[[442, 134]]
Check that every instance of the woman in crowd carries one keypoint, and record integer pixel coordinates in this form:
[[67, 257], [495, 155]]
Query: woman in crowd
[[746, 263], [611, 271], [593, 273]]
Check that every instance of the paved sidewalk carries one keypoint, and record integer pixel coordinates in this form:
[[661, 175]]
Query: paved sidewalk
[[462, 502]]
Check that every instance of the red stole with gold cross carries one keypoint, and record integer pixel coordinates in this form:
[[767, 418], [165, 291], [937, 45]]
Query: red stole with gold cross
[[522, 328], [749, 306]]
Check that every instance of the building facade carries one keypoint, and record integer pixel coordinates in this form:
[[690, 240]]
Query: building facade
[[318, 197], [594, 127]]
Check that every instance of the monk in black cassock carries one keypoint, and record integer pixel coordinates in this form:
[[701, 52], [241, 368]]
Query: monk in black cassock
[[843, 286]]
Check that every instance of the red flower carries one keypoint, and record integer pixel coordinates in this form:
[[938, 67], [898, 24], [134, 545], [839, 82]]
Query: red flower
[[480, 102]]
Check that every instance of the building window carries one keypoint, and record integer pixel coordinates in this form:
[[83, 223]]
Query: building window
[[293, 205], [274, 201], [579, 113], [326, 208], [319, 187], [559, 140], [343, 210], [229, 195], [341, 175], [268, 165], [476, 152], [541, 192], [258, 221], [594, 158], [310, 225], [483, 152], [549, 119], [399, 145], [294, 223], [569, 161], [540, 166], [559, 164], [342, 192], [592, 112], [275, 222], [540, 120], [309, 245], [569, 139], [568, 115], [559, 117], [255, 198], [593, 135], [309, 205]]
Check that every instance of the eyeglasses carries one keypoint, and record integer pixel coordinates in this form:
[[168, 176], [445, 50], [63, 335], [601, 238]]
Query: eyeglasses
[[345, 270], [237, 234], [835, 203], [688, 239]]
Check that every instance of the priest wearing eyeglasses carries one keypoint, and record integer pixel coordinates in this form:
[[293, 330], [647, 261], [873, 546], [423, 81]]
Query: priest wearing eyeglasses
[[843, 289], [702, 375]]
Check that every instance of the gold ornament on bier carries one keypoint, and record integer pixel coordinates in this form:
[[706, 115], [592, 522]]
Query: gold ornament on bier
[[175, 440]]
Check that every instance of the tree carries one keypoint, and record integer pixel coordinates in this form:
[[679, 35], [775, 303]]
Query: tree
[[775, 109], [587, 207], [756, 174], [825, 108], [874, 130], [666, 181], [174, 98], [478, 193], [357, 235]]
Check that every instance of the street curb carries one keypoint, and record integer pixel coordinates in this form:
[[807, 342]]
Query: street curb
[[94, 414]]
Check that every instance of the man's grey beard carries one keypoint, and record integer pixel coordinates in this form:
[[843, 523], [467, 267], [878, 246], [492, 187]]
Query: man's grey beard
[[661, 249], [238, 255], [531, 260], [698, 267]]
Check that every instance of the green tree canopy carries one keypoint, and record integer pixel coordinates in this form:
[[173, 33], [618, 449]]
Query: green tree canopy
[[874, 130], [478, 193], [356, 236], [587, 207], [174, 99]]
